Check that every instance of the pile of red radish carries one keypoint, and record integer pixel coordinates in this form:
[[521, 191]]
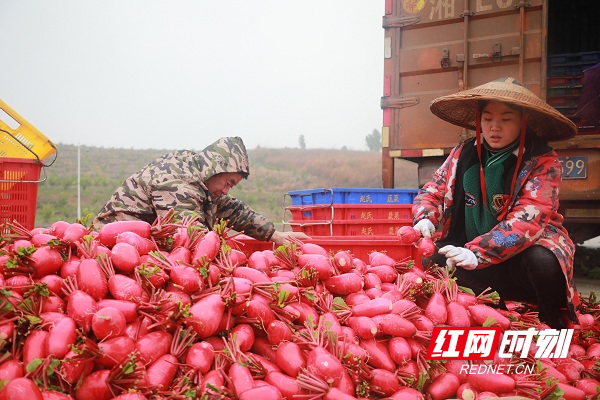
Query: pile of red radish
[[139, 311]]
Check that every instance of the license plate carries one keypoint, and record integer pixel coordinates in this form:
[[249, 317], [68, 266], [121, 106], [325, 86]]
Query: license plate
[[574, 167]]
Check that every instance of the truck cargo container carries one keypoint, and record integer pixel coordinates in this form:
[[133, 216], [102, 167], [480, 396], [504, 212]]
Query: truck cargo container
[[438, 47]]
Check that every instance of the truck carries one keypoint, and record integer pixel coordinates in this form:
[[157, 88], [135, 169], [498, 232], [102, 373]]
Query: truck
[[438, 47]]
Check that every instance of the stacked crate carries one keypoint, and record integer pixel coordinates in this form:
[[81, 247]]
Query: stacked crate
[[359, 220], [565, 73], [349, 211]]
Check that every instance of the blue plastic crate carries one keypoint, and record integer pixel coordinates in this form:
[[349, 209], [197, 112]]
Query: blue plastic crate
[[352, 196]]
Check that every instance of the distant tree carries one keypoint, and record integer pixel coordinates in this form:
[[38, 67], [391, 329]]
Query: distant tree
[[302, 142], [373, 141]]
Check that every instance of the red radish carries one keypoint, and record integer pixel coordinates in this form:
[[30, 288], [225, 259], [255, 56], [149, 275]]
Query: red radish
[[457, 315], [426, 247], [305, 311], [73, 368], [379, 356], [466, 392], [142, 245], [207, 248], [570, 392], [285, 383], [95, 386], [114, 351], [200, 356], [342, 260], [130, 396], [244, 335], [312, 248], [289, 358], [344, 284], [372, 281], [386, 273], [42, 239], [109, 232], [379, 258], [356, 298], [325, 365], [10, 370], [251, 274], [54, 282], [481, 312], [206, 315], [46, 260], [588, 385], [259, 261], [188, 278], [364, 327], [91, 279], [35, 346], [436, 309], [372, 307], [128, 308], [122, 287], [457, 368], [58, 228], [61, 337], [317, 262], [75, 232], [496, 383], [236, 258], [408, 235], [443, 386], [240, 378], [108, 322], [153, 345], [395, 325], [20, 389], [48, 394], [399, 350], [407, 393], [160, 374], [180, 254], [266, 392], [125, 257], [268, 366], [278, 331], [81, 307], [384, 382], [70, 267]]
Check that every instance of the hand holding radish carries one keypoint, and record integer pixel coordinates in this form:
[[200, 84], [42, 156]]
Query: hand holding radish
[[280, 238], [459, 256], [425, 227]]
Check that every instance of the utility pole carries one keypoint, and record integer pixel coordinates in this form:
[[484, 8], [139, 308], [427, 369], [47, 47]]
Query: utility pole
[[79, 182]]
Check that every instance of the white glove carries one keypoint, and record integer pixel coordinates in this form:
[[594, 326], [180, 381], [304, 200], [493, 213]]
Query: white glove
[[459, 256], [425, 227]]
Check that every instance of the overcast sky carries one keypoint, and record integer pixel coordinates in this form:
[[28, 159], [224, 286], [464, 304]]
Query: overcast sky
[[175, 74]]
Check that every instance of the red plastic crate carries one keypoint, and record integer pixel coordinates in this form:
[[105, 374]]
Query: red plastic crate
[[351, 212], [359, 246], [19, 179], [353, 227]]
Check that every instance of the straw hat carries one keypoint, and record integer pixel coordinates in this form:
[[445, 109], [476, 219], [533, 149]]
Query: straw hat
[[461, 108]]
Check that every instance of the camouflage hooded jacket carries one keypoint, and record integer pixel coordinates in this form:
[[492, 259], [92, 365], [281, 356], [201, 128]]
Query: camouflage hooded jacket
[[532, 217], [177, 181]]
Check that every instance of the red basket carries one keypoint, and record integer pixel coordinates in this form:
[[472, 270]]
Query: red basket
[[19, 178]]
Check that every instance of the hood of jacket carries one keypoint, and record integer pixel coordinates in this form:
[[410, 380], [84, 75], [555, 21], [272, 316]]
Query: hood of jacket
[[227, 154]]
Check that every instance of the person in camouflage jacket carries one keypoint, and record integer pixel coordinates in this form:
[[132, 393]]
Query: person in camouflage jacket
[[508, 236], [192, 184]]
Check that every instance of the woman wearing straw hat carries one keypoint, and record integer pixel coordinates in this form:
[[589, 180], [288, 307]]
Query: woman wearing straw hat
[[496, 199]]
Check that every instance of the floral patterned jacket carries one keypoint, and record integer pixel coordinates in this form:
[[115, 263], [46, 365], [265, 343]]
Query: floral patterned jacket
[[532, 217]]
